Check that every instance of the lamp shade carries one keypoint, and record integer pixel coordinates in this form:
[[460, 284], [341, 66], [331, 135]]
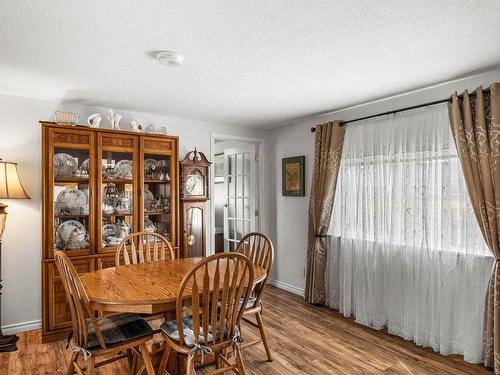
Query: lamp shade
[[10, 184]]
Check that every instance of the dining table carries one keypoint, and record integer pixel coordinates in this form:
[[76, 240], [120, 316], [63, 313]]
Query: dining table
[[147, 288]]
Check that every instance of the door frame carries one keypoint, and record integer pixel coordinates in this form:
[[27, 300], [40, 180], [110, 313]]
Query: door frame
[[261, 176]]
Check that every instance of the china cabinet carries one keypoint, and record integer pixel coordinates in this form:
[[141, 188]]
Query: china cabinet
[[98, 186]]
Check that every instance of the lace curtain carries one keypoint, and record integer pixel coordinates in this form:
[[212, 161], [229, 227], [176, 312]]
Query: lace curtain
[[406, 251]]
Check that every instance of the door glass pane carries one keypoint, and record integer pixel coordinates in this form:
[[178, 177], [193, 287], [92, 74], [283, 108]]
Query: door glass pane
[[239, 208], [246, 156], [239, 164], [156, 196], [246, 208], [239, 186], [239, 229], [246, 187], [232, 165], [231, 206], [231, 186], [71, 199], [231, 229], [117, 206]]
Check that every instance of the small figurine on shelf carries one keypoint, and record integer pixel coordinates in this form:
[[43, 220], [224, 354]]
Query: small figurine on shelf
[[124, 205], [94, 120], [158, 204], [136, 126], [114, 119]]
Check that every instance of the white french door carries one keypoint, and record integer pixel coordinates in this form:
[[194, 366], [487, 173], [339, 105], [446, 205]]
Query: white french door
[[240, 198]]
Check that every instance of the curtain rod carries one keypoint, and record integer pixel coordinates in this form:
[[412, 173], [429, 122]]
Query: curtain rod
[[448, 100]]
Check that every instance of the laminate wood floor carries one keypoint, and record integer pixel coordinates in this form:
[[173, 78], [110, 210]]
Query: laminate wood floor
[[304, 339]]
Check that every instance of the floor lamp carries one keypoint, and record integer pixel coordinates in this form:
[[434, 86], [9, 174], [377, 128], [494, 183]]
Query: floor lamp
[[10, 188]]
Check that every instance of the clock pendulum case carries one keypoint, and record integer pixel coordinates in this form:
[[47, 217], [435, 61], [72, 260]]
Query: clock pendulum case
[[194, 193]]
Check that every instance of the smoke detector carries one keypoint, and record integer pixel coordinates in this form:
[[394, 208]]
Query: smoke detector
[[169, 58]]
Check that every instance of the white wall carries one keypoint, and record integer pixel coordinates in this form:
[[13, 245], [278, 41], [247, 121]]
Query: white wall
[[20, 142], [288, 215]]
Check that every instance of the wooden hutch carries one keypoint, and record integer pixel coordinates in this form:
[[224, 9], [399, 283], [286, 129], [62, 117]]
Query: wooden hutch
[[97, 186]]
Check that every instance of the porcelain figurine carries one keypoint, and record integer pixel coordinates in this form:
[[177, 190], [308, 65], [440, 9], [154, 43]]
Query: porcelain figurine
[[94, 120], [136, 126], [114, 119]]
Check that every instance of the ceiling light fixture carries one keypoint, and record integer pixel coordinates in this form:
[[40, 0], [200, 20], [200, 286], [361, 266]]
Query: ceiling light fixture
[[169, 58]]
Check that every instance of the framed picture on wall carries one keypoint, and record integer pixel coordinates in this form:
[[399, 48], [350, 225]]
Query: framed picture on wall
[[293, 176], [219, 168]]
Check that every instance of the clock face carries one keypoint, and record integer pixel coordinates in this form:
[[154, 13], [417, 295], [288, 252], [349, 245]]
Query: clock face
[[194, 184]]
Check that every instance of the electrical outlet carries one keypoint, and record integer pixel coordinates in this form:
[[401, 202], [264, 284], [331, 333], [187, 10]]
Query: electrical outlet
[[302, 271]]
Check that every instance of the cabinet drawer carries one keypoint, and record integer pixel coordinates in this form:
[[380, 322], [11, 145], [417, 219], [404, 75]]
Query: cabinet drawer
[[59, 312], [117, 141], [70, 138], [152, 145]]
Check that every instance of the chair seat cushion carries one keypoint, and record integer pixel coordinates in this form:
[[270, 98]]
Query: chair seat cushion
[[250, 302], [117, 329], [171, 330]]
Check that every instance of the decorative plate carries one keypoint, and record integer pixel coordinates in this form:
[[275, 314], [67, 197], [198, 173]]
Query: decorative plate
[[110, 232], [72, 201], [149, 200], [71, 235], [149, 226], [65, 165], [124, 169]]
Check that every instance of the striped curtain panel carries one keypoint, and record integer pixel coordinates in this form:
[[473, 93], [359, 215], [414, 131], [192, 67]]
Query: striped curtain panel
[[475, 123], [327, 155]]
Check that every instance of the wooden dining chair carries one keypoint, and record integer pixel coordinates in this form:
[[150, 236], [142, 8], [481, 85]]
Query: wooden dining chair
[[259, 249], [144, 247], [212, 290], [93, 337]]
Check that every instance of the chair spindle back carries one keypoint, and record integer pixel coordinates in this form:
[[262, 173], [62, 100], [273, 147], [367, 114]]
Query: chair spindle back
[[213, 289], [144, 247], [259, 249], [79, 303]]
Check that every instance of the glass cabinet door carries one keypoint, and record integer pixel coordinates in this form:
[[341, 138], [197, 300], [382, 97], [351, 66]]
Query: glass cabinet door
[[70, 191], [117, 183], [157, 195]]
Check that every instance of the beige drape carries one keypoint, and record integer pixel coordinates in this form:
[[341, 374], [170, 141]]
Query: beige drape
[[475, 122], [327, 154]]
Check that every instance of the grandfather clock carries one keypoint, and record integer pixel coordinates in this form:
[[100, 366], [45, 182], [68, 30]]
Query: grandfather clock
[[194, 194]]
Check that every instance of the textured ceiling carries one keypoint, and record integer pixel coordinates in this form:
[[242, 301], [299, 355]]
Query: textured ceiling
[[247, 63]]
